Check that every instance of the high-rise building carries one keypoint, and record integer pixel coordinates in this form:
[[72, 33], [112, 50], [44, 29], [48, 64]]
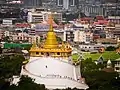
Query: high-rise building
[[113, 8], [32, 3], [67, 4], [64, 5], [91, 7], [2, 1]]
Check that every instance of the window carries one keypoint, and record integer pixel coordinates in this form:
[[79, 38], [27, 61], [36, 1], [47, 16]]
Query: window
[[42, 53], [60, 2], [37, 53], [58, 53], [71, 2], [117, 68]]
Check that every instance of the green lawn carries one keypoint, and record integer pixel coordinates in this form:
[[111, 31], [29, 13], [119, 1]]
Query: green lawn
[[106, 55], [75, 57]]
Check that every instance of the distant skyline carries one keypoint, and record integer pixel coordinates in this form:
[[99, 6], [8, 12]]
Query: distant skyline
[[111, 0], [32, 3]]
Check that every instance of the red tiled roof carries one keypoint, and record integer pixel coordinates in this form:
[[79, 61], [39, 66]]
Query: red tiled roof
[[101, 22], [99, 17], [85, 19], [22, 25]]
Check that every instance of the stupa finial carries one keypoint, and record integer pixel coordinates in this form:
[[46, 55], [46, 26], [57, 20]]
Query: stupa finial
[[51, 23]]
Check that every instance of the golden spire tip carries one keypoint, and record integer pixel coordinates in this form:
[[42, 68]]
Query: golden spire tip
[[51, 22]]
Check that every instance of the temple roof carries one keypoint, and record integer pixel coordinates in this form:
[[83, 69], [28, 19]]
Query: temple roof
[[51, 41]]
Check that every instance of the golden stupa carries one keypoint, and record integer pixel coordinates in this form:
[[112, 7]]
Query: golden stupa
[[51, 46]]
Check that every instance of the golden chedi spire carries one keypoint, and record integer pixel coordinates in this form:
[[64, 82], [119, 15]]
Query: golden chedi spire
[[51, 41]]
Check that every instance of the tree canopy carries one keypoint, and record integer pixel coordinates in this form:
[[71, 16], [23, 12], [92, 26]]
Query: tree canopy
[[97, 78], [10, 65], [111, 48]]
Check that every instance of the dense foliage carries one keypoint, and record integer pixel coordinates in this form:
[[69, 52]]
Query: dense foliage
[[59, 40], [97, 78], [10, 64], [6, 39], [56, 21], [111, 48]]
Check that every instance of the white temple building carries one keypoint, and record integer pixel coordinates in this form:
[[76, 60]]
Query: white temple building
[[54, 73], [50, 64]]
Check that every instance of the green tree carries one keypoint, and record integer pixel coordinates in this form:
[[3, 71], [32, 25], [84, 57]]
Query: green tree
[[41, 39], [59, 39], [89, 65], [97, 79], [6, 39], [27, 47], [110, 48], [56, 21], [10, 65]]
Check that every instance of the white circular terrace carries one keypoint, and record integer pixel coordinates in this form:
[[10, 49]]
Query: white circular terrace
[[54, 73]]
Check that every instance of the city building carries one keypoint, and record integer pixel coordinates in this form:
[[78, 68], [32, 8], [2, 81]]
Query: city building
[[43, 16], [116, 32], [50, 64], [32, 3], [106, 41], [91, 47], [61, 5], [117, 65], [68, 35], [109, 29], [32, 32], [114, 19], [113, 31], [35, 17], [5, 33], [1, 34], [91, 7], [112, 7], [66, 4], [82, 36], [24, 37]]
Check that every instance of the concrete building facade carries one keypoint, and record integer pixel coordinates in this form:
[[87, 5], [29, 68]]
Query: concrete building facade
[[43, 16], [32, 3], [61, 5], [83, 37], [26, 37]]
